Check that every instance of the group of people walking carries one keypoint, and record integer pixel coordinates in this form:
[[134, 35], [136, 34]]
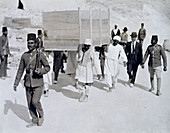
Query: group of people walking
[[120, 51], [37, 62]]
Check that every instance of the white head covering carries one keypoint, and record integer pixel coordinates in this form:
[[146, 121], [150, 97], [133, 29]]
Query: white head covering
[[117, 38], [88, 42]]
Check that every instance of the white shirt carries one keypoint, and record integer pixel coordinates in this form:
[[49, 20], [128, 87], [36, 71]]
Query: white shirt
[[133, 43], [116, 52]]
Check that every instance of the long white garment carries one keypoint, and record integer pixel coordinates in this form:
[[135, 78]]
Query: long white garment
[[114, 55], [84, 72], [97, 68], [48, 77]]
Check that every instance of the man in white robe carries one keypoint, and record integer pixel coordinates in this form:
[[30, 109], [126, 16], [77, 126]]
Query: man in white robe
[[114, 54], [84, 72]]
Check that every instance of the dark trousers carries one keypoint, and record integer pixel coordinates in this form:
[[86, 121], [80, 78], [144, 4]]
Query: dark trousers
[[33, 95], [132, 70], [56, 73], [102, 63], [3, 66], [62, 65]]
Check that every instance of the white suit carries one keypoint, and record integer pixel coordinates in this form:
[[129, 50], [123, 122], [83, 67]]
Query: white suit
[[113, 58]]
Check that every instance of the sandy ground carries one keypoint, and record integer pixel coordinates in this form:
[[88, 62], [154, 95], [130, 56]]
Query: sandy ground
[[125, 110]]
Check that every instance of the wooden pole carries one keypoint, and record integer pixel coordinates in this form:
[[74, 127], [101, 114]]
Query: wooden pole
[[90, 15], [109, 26], [79, 17], [100, 27]]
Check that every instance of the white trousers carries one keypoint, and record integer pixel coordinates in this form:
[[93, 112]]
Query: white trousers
[[112, 69]]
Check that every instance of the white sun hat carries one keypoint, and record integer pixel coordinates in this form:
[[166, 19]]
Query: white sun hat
[[117, 38], [88, 42]]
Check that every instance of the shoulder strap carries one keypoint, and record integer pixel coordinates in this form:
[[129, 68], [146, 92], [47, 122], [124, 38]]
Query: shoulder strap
[[33, 58]]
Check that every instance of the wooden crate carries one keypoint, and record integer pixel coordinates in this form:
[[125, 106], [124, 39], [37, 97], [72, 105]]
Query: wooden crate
[[66, 29]]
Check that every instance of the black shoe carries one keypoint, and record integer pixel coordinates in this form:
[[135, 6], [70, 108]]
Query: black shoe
[[110, 89], [151, 89], [158, 93], [62, 71]]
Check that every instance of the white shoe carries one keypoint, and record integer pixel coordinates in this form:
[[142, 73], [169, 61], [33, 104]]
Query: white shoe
[[55, 81], [31, 125], [82, 97], [3, 78], [40, 121], [131, 85]]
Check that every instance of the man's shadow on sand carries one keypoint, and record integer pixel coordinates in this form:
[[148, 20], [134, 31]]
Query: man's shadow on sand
[[66, 86], [19, 110], [125, 83], [100, 85]]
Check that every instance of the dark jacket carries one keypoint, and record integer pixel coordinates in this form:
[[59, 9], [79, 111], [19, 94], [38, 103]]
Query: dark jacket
[[4, 50], [29, 80], [135, 57], [115, 34], [57, 60], [155, 52], [39, 42], [142, 34]]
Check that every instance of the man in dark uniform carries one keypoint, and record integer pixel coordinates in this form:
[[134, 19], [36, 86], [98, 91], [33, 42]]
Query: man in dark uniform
[[134, 55], [4, 52], [155, 52], [141, 34], [39, 40], [32, 61]]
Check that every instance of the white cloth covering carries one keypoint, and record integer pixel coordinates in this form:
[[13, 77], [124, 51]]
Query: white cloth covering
[[48, 77], [114, 56], [84, 72], [97, 68]]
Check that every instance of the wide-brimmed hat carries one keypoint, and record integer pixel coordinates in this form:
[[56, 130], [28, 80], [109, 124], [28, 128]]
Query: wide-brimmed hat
[[117, 38], [134, 34], [88, 42]]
